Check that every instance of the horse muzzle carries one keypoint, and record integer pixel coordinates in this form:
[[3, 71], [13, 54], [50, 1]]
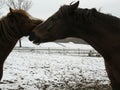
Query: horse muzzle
[[36, 40]]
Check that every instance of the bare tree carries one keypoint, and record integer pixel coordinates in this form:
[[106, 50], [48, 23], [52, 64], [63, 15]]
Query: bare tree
[[19, 4]]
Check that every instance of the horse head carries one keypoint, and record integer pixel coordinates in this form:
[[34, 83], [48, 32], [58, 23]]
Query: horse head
[[58, 26], [20, 22]]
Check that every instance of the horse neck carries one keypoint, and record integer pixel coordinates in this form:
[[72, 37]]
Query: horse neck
[[99, 31], [7, 41], [8, 33], [5, 50]]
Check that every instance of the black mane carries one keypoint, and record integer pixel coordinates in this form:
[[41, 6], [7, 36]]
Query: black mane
[[91, 15]]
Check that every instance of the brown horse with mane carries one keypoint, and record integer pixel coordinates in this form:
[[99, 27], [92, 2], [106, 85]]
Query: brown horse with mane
[[102, 31], [16, 24]]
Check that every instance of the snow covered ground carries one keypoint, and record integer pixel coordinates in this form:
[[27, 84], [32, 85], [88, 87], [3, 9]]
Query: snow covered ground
[[35, 71], [70, 45], [32, 71]]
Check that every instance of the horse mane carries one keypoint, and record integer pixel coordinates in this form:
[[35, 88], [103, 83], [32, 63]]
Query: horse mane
[[78, 13], [21, 11], [88, 15], [92, 16], [108, 18]]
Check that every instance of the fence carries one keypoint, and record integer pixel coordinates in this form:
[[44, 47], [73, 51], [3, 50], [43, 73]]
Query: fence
[[61, 51]]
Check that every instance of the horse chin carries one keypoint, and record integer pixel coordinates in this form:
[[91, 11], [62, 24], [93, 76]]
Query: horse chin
[[37, 43]]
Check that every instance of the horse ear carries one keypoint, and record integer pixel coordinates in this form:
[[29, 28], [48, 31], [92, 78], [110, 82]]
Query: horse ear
[[74, 6], [11, 10]]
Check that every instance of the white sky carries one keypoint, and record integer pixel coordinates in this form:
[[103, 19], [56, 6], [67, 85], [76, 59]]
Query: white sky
[[45, 8]]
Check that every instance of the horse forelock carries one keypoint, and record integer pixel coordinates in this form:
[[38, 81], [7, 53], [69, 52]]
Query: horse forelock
[[20, 11], [64, 10], [23, 12]]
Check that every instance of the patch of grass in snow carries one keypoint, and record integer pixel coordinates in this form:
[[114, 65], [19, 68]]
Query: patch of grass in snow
[[75, 82]]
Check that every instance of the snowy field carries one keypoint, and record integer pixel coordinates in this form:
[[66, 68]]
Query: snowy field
[[32, 71], [35, 71]]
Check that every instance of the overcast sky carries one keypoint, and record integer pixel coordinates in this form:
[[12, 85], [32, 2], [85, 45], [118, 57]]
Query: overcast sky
[[45, 8]]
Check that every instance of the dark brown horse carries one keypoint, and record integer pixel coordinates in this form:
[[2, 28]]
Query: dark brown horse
[[16, 24], [102, 31]]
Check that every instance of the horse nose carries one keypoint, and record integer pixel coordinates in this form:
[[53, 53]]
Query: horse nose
[[34, 38], [31, 36]]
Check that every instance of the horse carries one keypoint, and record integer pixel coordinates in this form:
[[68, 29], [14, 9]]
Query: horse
[[16, 24], [100, 30]]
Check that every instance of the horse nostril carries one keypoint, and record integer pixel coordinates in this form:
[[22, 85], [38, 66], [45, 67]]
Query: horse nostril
[[37, 41], [34, 38], [31, 36]]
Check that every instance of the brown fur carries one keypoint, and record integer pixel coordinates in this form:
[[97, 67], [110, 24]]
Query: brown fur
[[12, 27]]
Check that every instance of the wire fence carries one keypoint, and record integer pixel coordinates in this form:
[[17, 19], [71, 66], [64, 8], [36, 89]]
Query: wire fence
[[60, 51]]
